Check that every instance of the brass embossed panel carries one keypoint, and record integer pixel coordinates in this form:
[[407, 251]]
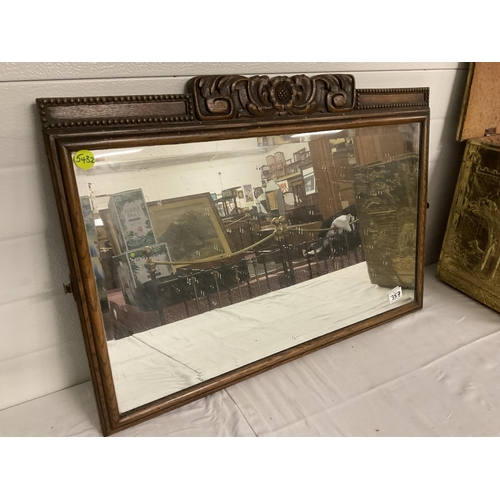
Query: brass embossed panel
[[470, 257]]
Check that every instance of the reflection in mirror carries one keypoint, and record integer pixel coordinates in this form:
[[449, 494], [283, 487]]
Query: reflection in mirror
[[205, 253]]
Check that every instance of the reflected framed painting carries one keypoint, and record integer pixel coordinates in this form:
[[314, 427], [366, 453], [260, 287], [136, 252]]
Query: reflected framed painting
[[187, 292], [190, 226]]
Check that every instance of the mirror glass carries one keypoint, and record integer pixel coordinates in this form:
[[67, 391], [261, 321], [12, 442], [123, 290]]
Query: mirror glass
[[211, 255]]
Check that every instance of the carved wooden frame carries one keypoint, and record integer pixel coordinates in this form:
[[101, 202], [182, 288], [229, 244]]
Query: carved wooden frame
[[214, 107]]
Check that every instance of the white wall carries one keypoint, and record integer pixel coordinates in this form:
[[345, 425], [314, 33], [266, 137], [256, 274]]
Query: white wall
[[164, 182], [42, 350]]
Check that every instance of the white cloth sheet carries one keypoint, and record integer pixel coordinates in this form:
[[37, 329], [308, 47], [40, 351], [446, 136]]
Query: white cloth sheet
[[435, 372]]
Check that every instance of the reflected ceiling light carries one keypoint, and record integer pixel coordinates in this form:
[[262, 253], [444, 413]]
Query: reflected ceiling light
[[322, 132], [129, 151]]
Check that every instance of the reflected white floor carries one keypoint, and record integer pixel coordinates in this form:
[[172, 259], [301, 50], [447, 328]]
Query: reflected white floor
[[167, 359]]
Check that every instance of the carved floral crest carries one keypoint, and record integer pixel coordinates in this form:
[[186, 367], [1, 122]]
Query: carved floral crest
[[226, 97]]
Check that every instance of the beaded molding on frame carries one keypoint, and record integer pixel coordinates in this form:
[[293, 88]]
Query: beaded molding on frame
[[227, 97], [366, 99], [114, 111]]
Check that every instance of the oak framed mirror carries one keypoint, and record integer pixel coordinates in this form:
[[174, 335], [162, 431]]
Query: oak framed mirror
[[219, 233]]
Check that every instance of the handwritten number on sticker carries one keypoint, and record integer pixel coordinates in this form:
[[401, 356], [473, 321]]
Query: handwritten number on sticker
[[395, 294], [84, 159]]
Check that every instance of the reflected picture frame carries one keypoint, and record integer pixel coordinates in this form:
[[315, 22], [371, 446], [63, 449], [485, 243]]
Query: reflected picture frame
[[212, 108], [309, 181], [166, 214]]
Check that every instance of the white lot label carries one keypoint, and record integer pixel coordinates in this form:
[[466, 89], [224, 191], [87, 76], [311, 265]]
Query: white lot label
[[395, 294]]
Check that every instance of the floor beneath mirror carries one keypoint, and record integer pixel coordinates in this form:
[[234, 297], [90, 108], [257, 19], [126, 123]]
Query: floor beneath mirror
[[435, 372]]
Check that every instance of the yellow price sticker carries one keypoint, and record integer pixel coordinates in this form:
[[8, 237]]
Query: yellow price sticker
[[84, 159]]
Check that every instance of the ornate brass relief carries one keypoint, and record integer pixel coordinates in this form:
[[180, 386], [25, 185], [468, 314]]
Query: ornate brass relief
[[387, 210], [225, 97], [470, 259]]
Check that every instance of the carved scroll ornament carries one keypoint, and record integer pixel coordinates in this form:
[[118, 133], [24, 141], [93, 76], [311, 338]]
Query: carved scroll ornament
[[233, 96]]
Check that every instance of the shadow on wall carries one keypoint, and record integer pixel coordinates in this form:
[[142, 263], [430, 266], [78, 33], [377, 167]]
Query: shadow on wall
[[72, 355], [444, 170]]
